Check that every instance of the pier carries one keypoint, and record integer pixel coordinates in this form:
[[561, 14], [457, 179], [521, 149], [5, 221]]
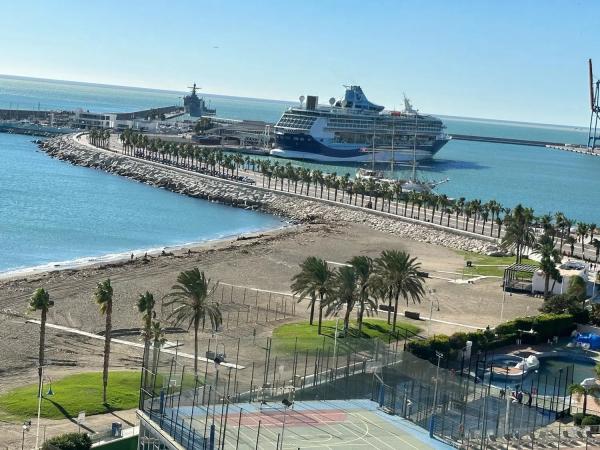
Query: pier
[[501, 140]]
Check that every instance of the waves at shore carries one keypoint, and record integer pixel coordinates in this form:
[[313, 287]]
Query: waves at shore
[[123, 257]]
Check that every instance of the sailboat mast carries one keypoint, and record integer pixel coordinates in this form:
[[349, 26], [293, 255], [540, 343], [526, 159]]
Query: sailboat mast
[[414, 166], [373, 152], [393, 134]]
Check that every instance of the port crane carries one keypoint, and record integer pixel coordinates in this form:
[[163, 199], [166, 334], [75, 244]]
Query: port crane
[[593, 136]]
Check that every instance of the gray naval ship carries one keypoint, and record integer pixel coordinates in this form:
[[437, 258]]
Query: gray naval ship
[[196, 106]]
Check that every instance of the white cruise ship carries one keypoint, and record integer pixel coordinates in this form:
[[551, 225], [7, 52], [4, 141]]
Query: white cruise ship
[[353, 129]]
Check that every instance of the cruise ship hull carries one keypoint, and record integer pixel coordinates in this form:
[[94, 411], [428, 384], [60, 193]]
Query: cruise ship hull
[[305, 147]]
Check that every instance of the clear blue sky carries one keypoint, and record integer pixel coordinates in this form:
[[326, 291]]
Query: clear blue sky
[[516, 60]]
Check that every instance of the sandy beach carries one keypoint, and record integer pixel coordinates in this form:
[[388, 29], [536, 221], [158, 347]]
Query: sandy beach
[[266, 261]]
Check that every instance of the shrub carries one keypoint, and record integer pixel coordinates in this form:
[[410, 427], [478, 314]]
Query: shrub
[[590, 420], [577, 418], [458, 340], [548, 325], [506, 328], [69, 441]]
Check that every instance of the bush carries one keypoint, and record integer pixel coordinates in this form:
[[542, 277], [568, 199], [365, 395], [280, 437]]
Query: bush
[[69, 441], [458, 340], [590, 420], [549, 325], [577, 418]]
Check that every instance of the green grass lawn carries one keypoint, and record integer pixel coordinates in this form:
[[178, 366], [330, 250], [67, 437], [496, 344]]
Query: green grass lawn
[[489, 265], [72, 394], [284, 336]]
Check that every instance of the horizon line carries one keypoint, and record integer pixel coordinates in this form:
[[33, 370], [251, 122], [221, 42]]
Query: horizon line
[[172, 91]]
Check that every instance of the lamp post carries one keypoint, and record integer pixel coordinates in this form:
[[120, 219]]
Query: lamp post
[[26, 427], [217, 362], [286, 404], [432, 294], [40, 389], [439, 357]]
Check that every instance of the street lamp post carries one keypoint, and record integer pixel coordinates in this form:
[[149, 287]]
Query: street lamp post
[[26, 426], [439, 357], [431, 295]]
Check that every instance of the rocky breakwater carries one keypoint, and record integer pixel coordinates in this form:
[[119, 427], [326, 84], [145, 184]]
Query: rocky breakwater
[[291, 207]]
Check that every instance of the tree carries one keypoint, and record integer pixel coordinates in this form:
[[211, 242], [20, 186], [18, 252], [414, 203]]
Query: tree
[[314, 279], [344, 293], [363, 266], [596, 245], [192, 299], [578, 389], [577, 287], [560, 304], [518, 231], [40, 301], [570, 241], [104, 298], [582, 232], [145, 305], [550, 257], [397, 274]]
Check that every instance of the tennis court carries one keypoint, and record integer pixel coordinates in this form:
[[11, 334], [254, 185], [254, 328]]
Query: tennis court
[[332, 424]]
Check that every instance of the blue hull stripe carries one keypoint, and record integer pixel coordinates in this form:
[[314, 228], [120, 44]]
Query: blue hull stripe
[[307, 144]]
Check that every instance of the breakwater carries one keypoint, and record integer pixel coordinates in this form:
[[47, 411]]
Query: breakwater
[[291, 206]]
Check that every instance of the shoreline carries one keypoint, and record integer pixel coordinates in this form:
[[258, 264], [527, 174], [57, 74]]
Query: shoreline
[[295, 212], [38, 272]]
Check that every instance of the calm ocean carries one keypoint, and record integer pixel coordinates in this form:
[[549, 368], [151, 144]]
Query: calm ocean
[[52, 211]]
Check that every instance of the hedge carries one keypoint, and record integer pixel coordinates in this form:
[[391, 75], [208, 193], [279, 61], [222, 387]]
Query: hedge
[[590, 420], [69, 441], [545, 326]]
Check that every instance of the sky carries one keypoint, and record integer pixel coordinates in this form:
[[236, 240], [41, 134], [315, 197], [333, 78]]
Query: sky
[[521, 60]]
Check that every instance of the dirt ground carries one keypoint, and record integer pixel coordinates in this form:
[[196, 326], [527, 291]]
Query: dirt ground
[[267, 261]]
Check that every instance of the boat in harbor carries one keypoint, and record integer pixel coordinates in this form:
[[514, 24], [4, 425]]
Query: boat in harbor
[[196, 106], [353, 129]]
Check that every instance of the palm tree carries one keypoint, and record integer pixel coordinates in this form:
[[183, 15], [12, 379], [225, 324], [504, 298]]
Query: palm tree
[[578, 389], [344, 293], [582, 232], [313, 280], [596, 245], [363, 266], [592, 228], [518, 232], [550, 257], [192, 298], [40, 301], [571, 241], [104, 298], [397, 274], [145, 306]]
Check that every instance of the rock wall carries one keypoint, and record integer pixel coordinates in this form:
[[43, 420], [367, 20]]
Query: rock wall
[[289, 206]]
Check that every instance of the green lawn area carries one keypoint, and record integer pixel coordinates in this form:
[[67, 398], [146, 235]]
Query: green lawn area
[[72, 394], [284, 336], [489, 265]]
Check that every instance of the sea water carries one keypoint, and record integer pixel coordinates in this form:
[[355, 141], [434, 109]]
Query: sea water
[[545, 179], [55, 214]]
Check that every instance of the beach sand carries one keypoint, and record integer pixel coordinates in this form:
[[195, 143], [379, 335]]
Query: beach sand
[[266, 261]]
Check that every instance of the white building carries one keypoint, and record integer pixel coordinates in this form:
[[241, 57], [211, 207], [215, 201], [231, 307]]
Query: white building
[[567, 271]]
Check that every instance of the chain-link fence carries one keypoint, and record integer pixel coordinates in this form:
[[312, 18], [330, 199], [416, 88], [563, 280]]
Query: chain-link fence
[[466, 403]]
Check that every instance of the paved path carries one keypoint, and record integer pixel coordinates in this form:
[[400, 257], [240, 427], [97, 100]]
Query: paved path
[[129, 343]]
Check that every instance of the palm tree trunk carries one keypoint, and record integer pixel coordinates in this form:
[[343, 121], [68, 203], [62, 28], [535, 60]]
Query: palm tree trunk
[[396, 311], [42, 345], [347, 320], [360, 315], [389, 317], [320, 318], [546, 285], [312, 311], [196, 324], [107, 333]]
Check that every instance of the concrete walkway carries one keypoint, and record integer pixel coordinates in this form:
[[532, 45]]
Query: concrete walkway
[[129, 343]]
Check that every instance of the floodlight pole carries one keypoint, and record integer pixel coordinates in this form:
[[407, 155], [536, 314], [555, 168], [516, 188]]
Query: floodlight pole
[[437, 373], [39, 411], [503, 297]]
